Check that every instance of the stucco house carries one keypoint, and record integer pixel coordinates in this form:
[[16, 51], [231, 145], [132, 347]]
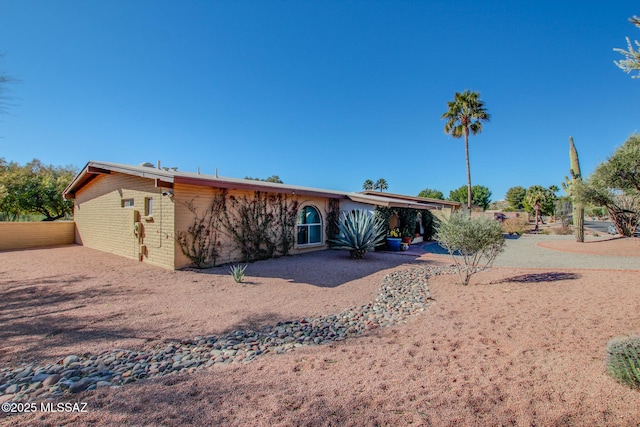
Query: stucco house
[[161, 215]]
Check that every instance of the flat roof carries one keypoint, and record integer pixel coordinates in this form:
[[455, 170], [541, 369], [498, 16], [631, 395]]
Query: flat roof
[[167, 177]]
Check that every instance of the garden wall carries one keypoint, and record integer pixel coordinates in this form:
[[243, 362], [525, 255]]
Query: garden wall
[[24, 235]]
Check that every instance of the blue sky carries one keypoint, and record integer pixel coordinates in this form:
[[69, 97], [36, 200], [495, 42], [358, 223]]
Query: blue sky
[[322, 93]]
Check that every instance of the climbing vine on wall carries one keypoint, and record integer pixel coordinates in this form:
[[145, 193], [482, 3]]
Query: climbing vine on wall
[[261, 226], [199, 242], [333, 217]]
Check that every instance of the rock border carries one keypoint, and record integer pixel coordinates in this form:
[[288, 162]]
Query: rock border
[[403, 294]]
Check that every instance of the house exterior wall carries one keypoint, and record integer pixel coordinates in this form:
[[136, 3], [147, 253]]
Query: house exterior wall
[[347, 205], [443, 214], [201, 197], [103, 223], [23, 235]]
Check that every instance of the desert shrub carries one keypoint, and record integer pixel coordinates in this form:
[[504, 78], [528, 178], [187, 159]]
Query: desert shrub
[[623, 360], [478, 241], [359, 233], [563, 230], [515, 225]]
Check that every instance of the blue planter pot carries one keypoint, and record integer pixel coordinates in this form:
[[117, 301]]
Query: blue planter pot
[[394, 243]]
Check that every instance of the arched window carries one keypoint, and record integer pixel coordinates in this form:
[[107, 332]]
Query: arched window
[[309, 229]]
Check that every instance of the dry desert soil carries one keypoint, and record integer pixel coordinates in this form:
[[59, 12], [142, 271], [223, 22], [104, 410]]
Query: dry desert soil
[[523, 345]]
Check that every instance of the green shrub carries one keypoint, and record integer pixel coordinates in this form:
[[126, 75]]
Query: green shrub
[[623, 360], [359, 233], [477, 241], [515, 225], [429, 223], [237, 272]]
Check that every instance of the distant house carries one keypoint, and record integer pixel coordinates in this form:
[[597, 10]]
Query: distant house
[[160, 215]]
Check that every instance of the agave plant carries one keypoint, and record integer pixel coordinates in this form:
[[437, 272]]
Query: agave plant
[[623, 360], [359, 233], [237, 272]]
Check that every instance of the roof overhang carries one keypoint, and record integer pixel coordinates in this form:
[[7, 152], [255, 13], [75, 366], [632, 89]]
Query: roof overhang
[[249, 185], [168, 178], [389, 202], [421, 200]]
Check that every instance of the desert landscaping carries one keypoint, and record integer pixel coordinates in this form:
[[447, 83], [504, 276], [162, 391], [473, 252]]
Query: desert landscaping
[[518, 346]]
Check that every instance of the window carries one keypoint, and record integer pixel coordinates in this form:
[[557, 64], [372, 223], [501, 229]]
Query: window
[[127, 203], [148, 206], [309, 229]]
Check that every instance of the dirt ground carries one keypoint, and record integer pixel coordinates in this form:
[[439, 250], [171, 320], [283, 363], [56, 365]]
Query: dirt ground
[[518, 347]]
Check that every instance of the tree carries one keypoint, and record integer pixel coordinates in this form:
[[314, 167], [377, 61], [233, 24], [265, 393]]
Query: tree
[[430, 193], [615, 184], [474, 243], [632, 56], [9, 197], [4, 80], [624, 209], [621, 171], [515, 196], [465, 115], [34, 188], [272, 178], [547, 206], [381, 185], [368, 185], [481, 195], [536, 197]]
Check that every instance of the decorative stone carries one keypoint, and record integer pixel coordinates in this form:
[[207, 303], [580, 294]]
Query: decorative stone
[[402, 295], [12, 389], [69, 360], [81, 385]]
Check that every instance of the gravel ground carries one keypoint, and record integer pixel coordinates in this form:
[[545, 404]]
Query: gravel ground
[[552, 251], [519, 346]]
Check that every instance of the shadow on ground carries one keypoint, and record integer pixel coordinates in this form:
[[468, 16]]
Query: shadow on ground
[[553, 276], [436, 249], [41, 314], [327, 269]]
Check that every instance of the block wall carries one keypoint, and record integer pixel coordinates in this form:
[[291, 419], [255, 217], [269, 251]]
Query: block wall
[[201, 199], [104, 223], [24, 235]]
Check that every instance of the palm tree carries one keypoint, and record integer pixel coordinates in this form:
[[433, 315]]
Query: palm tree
[[368, 185], [465, 115], [536, 199], [381, 184]]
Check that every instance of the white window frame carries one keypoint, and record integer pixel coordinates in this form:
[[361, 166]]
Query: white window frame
[[148, 206], [308, 226], [128, 203]]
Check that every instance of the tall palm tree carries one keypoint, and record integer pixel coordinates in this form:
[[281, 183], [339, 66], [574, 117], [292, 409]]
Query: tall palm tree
[[465, 115], [381, 184], [536, 198], [368, 185]]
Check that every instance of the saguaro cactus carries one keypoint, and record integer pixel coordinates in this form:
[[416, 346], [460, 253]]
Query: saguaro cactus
[[568, 185]]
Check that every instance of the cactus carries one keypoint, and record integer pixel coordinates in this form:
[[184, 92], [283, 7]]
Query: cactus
[[578, 208]]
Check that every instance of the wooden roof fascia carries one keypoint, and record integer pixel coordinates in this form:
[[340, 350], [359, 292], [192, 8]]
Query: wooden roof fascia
[[422, 200], [97, 171], [249, 186], [387, 202], [162, 183]]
